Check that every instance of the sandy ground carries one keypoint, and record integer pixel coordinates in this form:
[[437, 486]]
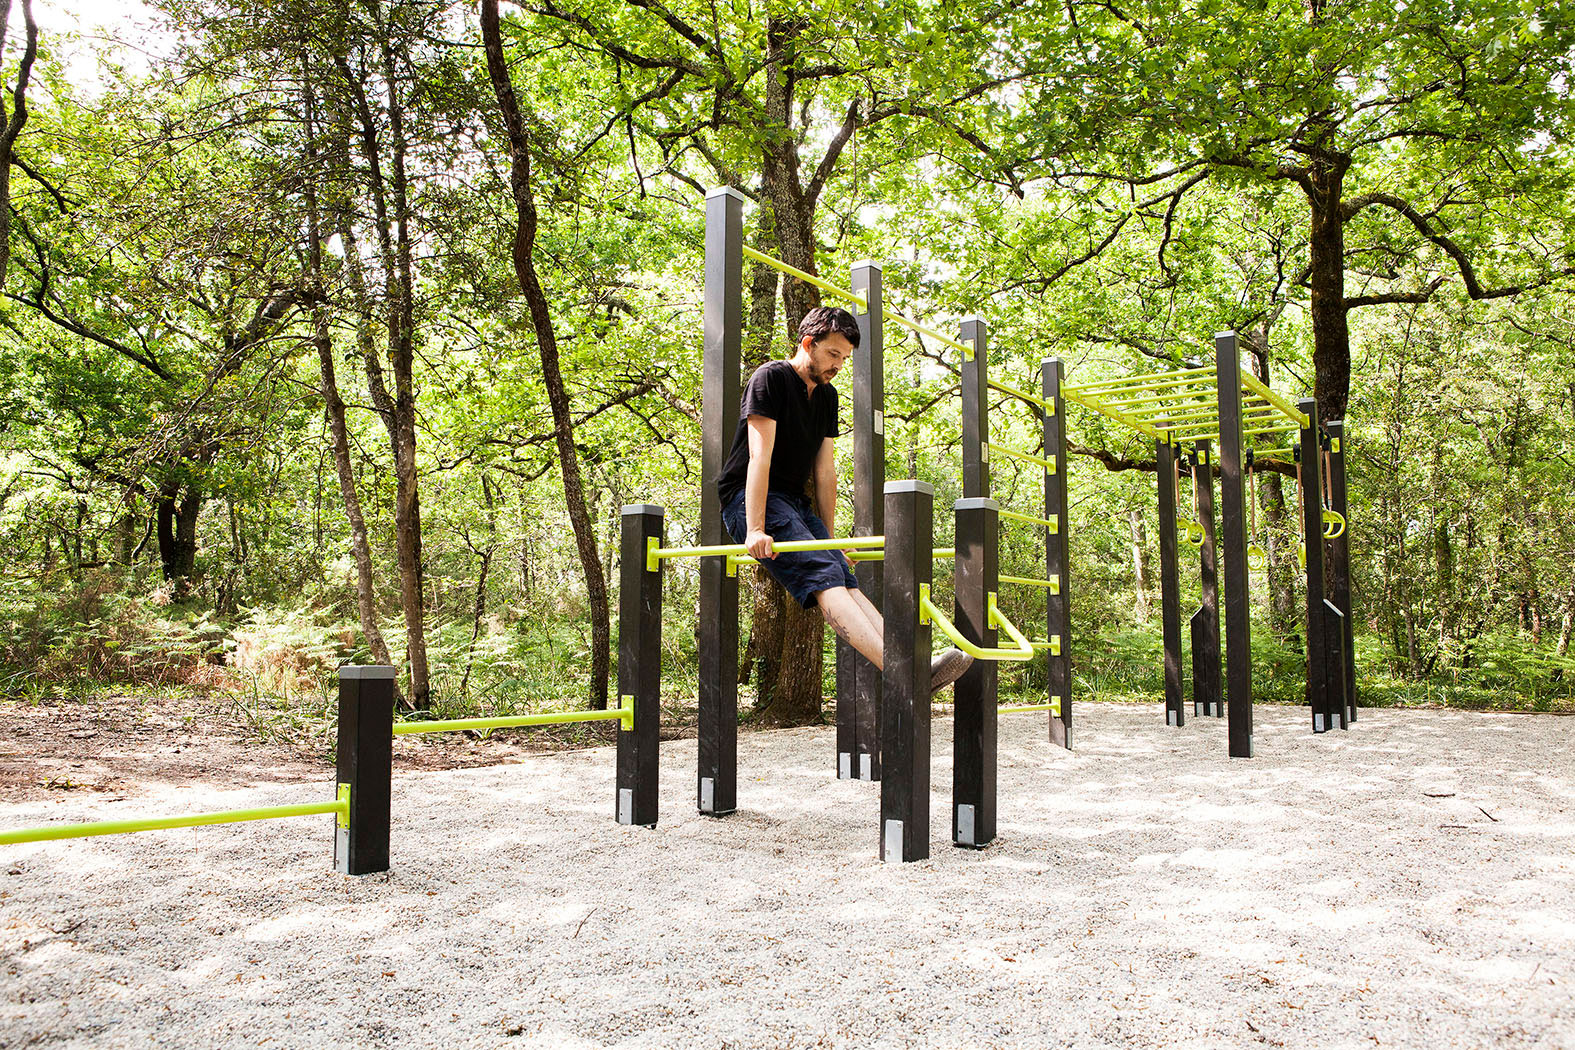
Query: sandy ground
[[1410, 883]]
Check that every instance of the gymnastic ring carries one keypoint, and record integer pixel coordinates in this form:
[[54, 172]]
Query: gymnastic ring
[[1194, 534], [1333, 524], [1257, 557]]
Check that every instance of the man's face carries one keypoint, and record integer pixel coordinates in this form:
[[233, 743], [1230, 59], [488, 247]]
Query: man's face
[[827, 357]]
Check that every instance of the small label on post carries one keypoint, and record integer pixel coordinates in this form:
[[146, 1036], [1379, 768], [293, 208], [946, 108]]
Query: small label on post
[[880, 423], [707, 795], [891, 846], [626, 805], [844, 766], [965, 826], [864, 768]]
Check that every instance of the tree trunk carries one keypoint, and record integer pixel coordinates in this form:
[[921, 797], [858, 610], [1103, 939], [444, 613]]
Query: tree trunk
[[11, 123], [1140, 570], [1331, 330], [788, 686], [177, 530], [398, 411], [547, 344], [334, 407]]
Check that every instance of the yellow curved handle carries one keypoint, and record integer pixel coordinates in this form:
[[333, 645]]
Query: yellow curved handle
[[1194, 533], [1333, 524], [1301, 554], [1257, 557]]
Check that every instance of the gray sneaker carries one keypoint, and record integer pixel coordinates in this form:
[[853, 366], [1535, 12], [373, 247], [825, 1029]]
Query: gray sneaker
[[947, 667]]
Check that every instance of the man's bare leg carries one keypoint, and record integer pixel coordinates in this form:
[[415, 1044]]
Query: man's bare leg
[[848, 617]]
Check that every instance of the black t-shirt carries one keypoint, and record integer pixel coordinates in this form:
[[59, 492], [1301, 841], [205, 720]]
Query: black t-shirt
[[803, 422]]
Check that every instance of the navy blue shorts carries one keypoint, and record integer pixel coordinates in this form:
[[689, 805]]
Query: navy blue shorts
[[804, 573]]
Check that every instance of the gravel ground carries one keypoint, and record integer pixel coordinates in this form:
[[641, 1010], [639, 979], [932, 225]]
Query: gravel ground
[[1409, 883]]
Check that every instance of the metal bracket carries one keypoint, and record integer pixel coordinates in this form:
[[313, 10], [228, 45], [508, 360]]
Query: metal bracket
[[652, 562], [626, 705], [924, 596], [343, 816]]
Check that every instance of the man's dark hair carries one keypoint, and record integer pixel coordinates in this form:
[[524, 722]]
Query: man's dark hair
[[824, 320]]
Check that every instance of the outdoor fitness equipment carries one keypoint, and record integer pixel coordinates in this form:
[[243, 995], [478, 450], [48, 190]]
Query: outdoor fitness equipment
[[1199, 405], [882, 717], [361, 805]]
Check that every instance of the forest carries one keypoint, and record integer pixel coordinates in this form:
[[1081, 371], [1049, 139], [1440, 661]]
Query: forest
[[340, 331]]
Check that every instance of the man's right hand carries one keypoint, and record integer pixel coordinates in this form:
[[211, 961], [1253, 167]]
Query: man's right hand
[[759, 545]]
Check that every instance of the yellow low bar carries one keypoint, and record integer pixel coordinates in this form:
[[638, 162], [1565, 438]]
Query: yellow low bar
[[654, 551], [1050, 523], [939, 554], [1026, 457], [1053, 643], [929, 613], [1053, 584], [623, 714], [807, 278], [1033, 399], [51, 832], [1257, 386], [892, 315], [1054, 707]]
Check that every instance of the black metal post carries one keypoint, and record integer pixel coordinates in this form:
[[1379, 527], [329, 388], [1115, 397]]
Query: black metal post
[[905, 696], [1233, 518], [858, 680], [639, 665], [1058, 566], [365, 762], [1312, 530], [1206, 622], [1340, 555], [974, 728], [717, 786], [1169, 587], [975, 409]]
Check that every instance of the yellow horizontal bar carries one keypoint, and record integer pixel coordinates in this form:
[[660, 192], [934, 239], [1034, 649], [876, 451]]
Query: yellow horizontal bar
[[624, 714], [1054, 707], [892, 315], [1201, 393], [1054, 585], [1094, 405], [1258, 452], [52, 832], [1166, 415], [929, 613], [654, 552], [1257, 386], [1050, 523], [1180, 377], [939, 554], [808, 278], [1052, 643], [1026, 457], [1211, 435], [1034, 399]]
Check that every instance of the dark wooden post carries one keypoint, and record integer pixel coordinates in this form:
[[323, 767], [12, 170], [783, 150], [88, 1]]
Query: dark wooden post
[[365, 762], [1233, 518], [905, 690], [1058, 566], [639, 665], [1169, 586], [1340, 555], [975, 409], [1206, 621], [974, 729], [858, 680], [1312, 530], [718, 634]]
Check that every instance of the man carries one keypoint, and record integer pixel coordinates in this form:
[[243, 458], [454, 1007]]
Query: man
[[787, 430]]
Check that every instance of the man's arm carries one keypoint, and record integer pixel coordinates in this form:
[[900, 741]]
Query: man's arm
[[762, 439], [826, 483]]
